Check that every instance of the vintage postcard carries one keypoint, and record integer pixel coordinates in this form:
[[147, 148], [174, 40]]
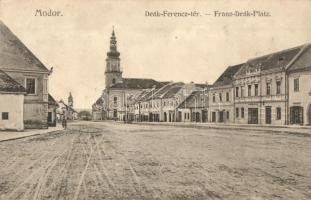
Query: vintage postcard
[[155, 99]]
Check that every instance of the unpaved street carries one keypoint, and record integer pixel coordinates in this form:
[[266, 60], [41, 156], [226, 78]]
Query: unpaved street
[[122, 161]]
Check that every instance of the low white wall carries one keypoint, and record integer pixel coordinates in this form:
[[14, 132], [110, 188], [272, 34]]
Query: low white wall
[[14, 105]]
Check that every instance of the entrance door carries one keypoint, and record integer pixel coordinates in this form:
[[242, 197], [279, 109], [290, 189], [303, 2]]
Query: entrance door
[[213, 116], [221, 116], [204, 116], [296, 115], [197, 117], [268, 115], [49, 117], [179, 116], [253, 115]]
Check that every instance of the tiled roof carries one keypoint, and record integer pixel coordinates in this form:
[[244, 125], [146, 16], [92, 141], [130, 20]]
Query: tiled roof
[[172, 92], [201, 85], [51, 101], [303, 62], [193, 101], [143, 95], [8, 84], [136, 83], [274, 61], [162, 91], [15, 55], [226, 77]]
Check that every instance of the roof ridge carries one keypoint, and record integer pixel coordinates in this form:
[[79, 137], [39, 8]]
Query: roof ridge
[[277, 52], [10, 33]]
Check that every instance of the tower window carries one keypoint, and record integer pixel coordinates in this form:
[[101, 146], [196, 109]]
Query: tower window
[[113, 81], [115, 100]]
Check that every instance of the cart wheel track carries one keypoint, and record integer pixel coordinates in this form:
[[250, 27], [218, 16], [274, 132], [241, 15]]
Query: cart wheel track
[[83, 173], [41, 168], [104, 169]]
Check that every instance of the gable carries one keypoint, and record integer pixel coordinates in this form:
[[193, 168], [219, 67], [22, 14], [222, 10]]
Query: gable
[[14, 55]]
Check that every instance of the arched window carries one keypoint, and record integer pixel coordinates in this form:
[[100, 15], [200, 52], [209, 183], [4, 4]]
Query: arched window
[[115, 100], [113, 81]]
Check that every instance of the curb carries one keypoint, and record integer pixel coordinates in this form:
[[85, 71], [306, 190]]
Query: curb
[[198, 126], [21, 137]]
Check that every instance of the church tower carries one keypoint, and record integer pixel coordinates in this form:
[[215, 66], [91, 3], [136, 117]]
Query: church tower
[[113, 73], [70, 100]]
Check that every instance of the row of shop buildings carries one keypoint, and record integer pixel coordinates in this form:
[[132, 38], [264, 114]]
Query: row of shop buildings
[[271, 89]]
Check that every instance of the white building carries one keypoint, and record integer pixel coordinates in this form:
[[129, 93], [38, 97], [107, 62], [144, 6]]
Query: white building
[[11, 103]]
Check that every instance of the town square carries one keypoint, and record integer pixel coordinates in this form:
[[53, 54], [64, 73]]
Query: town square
[[168, 102]]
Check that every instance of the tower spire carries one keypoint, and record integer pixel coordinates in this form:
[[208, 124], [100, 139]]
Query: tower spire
[[113, 71], [113, 45]]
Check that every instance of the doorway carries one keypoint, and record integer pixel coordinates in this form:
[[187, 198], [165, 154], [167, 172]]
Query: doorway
[[253, 116], [50, 117], [296, 115], [213, 116], [221, 116], [268, 115]]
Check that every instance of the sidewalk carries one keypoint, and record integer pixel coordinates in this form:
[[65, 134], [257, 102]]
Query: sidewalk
[[302, 130], [13, 135]]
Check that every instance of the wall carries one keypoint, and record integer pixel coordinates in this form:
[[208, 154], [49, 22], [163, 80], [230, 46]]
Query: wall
[[123, 98], [36, 106], [223, 105], [14, 105], [303, 97]]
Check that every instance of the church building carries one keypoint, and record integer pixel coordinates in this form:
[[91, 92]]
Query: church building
[[119, 92]]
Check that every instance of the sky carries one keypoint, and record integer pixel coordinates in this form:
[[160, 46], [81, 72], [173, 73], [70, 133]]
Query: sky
[[184, 49]]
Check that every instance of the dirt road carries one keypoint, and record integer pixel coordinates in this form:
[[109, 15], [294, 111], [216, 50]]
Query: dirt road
[[121, 161]]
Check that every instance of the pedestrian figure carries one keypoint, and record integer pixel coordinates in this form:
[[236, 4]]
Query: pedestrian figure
[[64, 122]]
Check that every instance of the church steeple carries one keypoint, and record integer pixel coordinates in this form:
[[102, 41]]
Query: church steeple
[[113, 71], [113, 46], [70, 100]]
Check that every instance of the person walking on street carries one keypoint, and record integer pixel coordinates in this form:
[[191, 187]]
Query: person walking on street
[[64, 122]]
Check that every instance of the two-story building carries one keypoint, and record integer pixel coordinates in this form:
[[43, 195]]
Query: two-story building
[[195, 107], [221, 97], [261, 88], [18, 62], [299, 88]]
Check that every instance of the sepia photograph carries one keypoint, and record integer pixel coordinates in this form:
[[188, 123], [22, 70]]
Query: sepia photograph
[[155, 99]]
